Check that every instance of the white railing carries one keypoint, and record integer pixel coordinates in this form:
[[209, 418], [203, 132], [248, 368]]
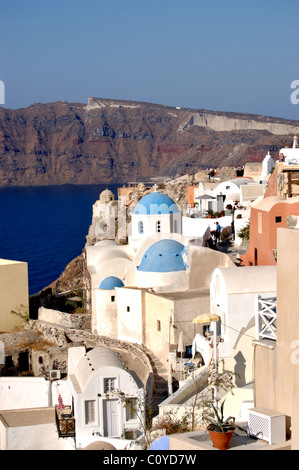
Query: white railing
[[265, 319]]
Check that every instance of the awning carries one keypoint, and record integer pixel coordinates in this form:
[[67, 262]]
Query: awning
[[205, 196], [206, 318]]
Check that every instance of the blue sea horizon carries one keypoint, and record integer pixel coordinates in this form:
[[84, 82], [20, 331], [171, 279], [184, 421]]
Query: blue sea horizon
[[46, 226]]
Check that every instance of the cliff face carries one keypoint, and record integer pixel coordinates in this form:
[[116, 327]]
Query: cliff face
[[109, 141]]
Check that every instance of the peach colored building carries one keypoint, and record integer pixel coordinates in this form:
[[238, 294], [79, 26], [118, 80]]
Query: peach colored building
[[131, 193], [190, 195], [266, 217], [277, 360], [13, 293]]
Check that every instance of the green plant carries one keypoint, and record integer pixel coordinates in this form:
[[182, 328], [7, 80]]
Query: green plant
[[139, 408], [244, 232], [218, 423], [171, 424], [22, 312], [211, 407]]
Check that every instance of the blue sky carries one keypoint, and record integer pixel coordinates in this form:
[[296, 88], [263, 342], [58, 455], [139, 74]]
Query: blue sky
[[222, 55]]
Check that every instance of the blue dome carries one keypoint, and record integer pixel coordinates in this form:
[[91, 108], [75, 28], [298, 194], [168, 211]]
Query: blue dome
[[160, 444], [156, 203], [163, 256], [109, 283]]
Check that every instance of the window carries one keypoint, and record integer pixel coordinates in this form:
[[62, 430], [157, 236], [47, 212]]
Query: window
[[158, 325], [140, 226], [128, 309], [112, 298], [9, 362], [259, 223], [175, 226], [278, 219], [158, 226], [24, 361], [90, 406], [109, 384]]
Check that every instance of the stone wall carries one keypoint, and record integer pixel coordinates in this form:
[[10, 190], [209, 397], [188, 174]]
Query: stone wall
[[61, 337], [133, 355], [69, 320]]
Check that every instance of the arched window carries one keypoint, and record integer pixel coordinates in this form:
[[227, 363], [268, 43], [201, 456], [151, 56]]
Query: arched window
[[158, 226], [140, 226]]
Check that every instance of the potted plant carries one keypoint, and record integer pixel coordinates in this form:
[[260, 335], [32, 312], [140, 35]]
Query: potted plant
[[221, 429]]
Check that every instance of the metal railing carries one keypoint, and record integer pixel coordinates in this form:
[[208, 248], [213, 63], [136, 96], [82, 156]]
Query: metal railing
[[265, 320]]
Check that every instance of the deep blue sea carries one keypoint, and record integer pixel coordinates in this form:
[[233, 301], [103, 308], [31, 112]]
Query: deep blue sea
[[46, 227]]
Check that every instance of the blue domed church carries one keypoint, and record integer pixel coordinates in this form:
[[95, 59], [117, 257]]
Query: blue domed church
[[161, 275], [154, 214]]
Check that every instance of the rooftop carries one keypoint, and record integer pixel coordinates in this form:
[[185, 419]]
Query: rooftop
[[27, 417], [200, 440], [190, 294], [4, 262], [166, 255], [156, 203]]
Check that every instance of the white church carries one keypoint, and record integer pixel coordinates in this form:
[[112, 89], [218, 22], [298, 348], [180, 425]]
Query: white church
[[161, 277]]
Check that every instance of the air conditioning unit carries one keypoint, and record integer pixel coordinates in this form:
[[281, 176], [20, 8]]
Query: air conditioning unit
[[54, 374], [267, 424]]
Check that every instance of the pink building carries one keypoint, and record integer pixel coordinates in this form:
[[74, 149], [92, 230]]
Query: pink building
[[266, 217]]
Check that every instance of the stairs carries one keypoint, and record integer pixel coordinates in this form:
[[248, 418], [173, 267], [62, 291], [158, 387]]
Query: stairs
[[160, 376]]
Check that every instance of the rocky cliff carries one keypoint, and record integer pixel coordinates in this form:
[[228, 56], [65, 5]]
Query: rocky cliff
[[109, 141]]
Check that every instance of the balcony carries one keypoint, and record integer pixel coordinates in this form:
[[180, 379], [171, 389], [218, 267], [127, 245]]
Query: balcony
[[65, 422], [265, 318]]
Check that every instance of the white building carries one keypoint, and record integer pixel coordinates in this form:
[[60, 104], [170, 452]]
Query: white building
[[291, 154], [267, 166], [233, 296], [155, 213], [155, 258], [90, 395], [231, 189], [137, 288], [31, 429], [96, 379]]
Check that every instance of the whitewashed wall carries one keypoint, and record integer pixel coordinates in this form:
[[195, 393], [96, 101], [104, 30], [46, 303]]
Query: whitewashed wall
[[23, 392]]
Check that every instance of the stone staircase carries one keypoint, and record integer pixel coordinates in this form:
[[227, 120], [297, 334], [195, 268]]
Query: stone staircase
[[160, 379]]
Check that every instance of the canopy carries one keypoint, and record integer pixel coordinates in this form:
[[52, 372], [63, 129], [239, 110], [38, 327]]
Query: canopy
[[205, 196], [206, 318]]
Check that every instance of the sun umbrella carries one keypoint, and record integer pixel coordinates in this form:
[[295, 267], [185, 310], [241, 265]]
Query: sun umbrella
[[181, 348], [206, 318]]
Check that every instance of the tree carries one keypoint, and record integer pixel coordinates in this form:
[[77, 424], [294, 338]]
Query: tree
[[244, 232]]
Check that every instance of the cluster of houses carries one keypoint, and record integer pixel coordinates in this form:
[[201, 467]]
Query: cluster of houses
[[82, 380]]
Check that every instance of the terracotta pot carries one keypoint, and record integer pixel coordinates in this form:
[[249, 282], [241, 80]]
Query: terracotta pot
[[221, 440]]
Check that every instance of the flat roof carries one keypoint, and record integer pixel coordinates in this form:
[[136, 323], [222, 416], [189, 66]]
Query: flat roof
[[189, 294], [27, 417], [4, 262]]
